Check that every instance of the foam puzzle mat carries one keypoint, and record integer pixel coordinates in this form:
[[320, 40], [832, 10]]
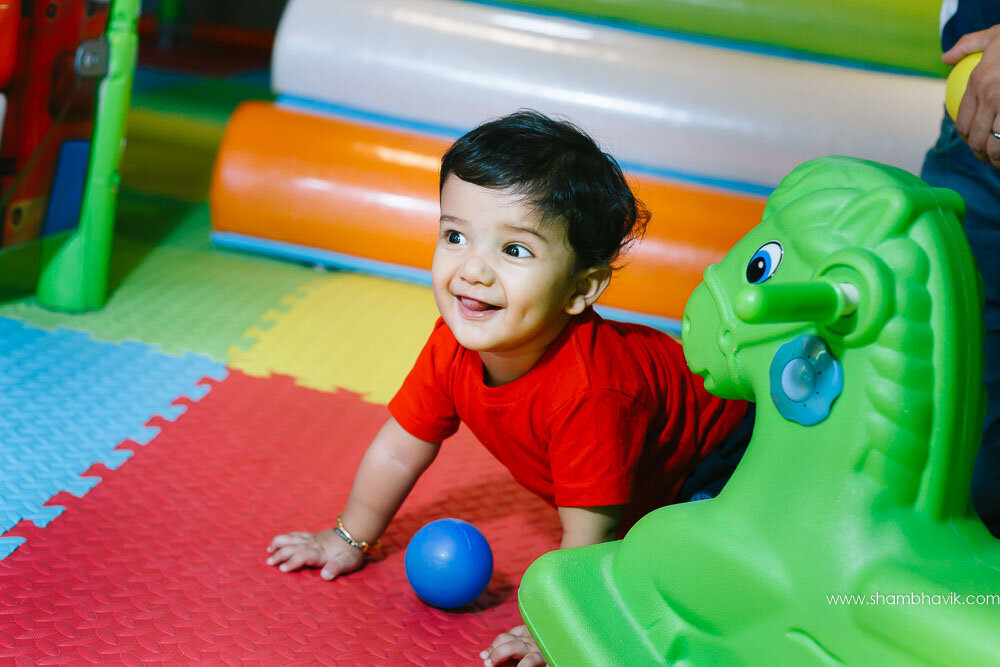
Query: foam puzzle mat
[[343, 330], [164, 560], [150, 450], [66, 402]]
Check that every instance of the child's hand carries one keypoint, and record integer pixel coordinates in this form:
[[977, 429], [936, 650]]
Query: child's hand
[[323, 549], [518, 644]]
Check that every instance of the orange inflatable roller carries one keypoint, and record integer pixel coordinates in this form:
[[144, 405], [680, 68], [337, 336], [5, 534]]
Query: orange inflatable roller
[[353, 195]]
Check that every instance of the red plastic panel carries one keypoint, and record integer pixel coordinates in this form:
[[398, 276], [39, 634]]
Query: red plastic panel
[[10, 20], [164, 560], [47, 104]]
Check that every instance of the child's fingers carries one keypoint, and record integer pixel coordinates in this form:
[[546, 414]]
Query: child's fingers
[[299, 558], [283, 554], [518, 644], [534, 659], [341, 562], [297, 537], [513, 647], [500, 640]]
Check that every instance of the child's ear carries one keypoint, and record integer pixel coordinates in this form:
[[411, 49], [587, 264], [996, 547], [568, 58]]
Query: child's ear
[[590, 284]]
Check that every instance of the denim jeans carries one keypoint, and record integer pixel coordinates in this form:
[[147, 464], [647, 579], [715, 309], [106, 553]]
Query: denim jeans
[[951, 164]]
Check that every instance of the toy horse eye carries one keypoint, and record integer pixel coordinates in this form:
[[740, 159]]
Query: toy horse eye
[[764, 262]]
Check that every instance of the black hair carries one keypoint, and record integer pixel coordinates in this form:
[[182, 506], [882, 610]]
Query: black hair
[[562, 172]]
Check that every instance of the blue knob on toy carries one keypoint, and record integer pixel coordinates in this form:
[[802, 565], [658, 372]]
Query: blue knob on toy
[[448, 563], [805, 380]]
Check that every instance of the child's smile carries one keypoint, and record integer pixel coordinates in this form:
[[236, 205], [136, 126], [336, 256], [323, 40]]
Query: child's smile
[[474, 308]]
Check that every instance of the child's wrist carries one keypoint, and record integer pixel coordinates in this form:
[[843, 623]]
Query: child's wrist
[[367, 548]]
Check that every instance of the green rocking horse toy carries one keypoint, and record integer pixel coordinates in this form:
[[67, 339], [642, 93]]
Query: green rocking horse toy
[[851, 316]]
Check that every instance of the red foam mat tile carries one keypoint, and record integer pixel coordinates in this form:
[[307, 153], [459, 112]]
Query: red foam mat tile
[[164, 560]]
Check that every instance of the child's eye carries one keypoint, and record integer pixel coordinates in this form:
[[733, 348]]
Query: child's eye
[[453, 237], [517, 250]]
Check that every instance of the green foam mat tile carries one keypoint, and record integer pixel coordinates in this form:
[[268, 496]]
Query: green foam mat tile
[[179, 296]]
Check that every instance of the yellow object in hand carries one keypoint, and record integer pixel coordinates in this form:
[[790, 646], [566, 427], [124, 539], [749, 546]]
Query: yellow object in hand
[[958, 80]]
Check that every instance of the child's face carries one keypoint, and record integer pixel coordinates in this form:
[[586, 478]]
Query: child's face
[[504, 281]]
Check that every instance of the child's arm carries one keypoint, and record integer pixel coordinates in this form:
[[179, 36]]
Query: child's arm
[[391, 466], [589, 525], [581, 526]]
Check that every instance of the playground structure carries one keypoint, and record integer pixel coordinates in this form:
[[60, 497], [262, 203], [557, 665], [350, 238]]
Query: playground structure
[[67, 69], [157, 444]]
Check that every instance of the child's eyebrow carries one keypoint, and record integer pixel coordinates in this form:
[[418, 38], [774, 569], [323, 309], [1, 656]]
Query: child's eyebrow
[[526, 230], [450, 218]]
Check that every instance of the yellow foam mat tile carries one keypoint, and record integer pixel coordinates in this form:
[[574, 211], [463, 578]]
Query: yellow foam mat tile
[[345, 331]]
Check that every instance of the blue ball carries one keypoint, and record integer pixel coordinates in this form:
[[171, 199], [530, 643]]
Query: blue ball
[[448, 563]]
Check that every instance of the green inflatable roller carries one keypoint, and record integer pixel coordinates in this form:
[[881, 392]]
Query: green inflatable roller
[[891, 33]]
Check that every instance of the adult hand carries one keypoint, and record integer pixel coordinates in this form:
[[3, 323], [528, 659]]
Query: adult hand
[[979, 110], [324, 549], [518, 644]]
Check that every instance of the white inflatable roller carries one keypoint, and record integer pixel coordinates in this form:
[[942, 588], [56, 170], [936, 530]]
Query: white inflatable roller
[[653, 102]]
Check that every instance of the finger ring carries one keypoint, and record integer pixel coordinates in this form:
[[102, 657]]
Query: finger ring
[[995, 133]]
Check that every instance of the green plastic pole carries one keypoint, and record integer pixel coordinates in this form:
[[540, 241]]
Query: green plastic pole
[[819, 302], [74, 273]]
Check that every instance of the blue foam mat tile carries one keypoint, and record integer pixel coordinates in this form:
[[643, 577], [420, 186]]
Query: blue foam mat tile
[[43, 516], [40, 516], [9, 545], [67, 402]]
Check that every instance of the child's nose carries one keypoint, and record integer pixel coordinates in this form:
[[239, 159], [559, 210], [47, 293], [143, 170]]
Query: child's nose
[[476, 270]]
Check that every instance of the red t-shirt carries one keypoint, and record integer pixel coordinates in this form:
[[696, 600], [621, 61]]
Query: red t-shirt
[[609, 415]]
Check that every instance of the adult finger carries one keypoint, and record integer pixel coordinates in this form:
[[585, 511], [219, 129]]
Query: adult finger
[[980, 132], [968, 109], [969, 43], [993, 144]]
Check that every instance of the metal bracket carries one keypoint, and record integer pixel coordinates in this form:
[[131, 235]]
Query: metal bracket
[[92, 58]]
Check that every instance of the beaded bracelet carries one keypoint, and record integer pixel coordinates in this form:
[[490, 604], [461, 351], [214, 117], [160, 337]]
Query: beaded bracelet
[[367, 549]]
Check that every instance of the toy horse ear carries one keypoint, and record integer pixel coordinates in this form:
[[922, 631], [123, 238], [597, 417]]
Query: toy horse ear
[[883, 213], [951, 201]]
